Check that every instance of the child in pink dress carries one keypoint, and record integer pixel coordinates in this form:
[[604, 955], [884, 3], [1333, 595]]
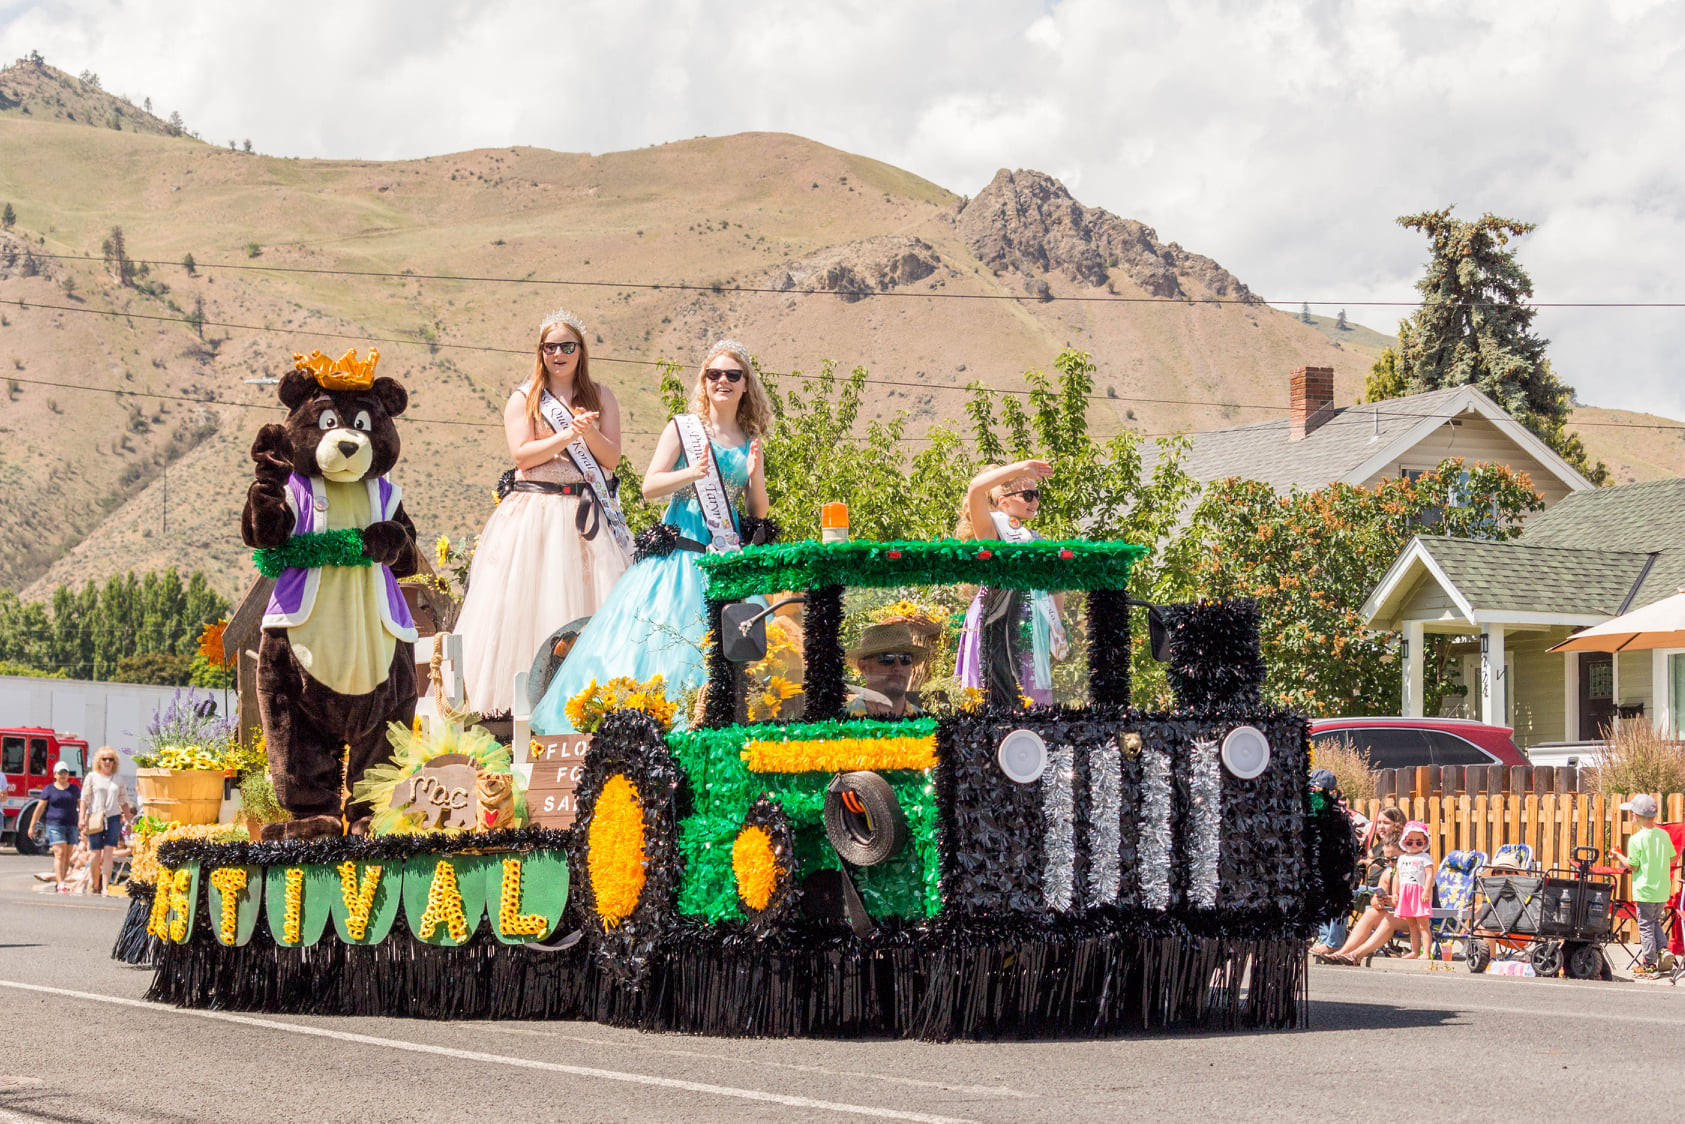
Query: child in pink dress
[[1415, 888]]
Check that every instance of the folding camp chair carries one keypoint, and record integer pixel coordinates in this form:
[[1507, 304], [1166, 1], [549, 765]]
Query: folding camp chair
[[1453, 891], [1517, 855]]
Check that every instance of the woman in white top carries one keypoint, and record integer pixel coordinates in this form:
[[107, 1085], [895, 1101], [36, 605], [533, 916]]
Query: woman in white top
[[105, 803], [549, 554]]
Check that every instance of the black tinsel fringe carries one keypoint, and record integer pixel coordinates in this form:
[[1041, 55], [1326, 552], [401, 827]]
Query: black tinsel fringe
[[982, 979], [134, 945], [824, 672], [1215, 662], [384, 848], [719, 707], [1108, 647]]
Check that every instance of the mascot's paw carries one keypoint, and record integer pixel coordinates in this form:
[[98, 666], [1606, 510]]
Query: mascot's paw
[[273, 455], [273, 832], [386, 541], [360, 827], [313, 827]]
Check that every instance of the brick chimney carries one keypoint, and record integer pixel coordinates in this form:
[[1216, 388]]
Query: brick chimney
[[1312, 399]]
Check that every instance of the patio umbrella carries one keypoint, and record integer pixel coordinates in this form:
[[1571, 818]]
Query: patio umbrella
[[1660, 624]]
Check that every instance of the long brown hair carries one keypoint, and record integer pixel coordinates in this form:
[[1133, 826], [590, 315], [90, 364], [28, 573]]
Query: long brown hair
[[585, 396]]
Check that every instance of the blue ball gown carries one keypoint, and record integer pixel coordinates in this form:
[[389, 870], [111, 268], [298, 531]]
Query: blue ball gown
[[655, 617]]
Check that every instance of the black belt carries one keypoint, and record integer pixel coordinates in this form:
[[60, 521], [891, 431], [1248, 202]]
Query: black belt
[[587, 520]]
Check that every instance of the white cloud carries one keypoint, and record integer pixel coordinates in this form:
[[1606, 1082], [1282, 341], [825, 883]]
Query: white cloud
[[1280, 138]]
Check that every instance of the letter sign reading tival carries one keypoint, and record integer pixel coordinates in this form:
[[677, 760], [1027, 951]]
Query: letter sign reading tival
[[557, 761]]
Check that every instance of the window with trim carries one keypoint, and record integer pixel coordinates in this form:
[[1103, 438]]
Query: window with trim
[[11, 755], [38, 757]]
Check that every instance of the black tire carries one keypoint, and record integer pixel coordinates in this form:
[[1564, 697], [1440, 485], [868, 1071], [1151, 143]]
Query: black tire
[[863, 819], [1584, 962], [1546, 957], [23, 839], [1478, 954]]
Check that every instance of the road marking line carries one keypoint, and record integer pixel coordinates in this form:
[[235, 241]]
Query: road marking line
[[497, 1059], [945, 1086]]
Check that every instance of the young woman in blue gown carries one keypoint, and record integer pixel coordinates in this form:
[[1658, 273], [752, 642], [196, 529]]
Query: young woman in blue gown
[[656, 615]]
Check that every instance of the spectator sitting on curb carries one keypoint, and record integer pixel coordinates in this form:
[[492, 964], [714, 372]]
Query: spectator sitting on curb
[[1649, 856], [1378, 922]]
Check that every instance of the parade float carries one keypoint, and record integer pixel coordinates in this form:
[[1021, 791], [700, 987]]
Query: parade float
[[998, 869]]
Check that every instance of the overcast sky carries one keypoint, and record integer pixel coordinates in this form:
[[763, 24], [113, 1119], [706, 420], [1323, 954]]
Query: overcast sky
[[1281, 139]]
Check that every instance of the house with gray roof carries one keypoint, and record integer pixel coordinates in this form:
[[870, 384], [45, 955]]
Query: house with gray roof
[[1319, 443], [1591, 556]]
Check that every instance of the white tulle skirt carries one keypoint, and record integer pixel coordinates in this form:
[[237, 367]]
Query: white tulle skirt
[[533, 572]]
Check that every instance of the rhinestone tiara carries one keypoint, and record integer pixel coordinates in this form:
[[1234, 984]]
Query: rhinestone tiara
[[563, 316], [724, 346]]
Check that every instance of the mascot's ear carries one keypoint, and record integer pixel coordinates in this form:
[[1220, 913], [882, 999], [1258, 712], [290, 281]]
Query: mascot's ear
[[391, 395], [297, 387]]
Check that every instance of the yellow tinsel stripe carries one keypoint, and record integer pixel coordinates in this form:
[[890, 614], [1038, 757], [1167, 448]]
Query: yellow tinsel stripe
[[158, 923], [840, 755], [229, 881], [510, 919], [444, 905], [180, 904], [358, 897], [292, 924], [614, 850]]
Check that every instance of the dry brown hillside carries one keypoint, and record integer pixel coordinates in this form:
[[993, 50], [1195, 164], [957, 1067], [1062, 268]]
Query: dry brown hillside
[[154, 476]]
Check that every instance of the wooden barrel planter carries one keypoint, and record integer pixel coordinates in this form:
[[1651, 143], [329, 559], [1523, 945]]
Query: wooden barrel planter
[[180, 795]]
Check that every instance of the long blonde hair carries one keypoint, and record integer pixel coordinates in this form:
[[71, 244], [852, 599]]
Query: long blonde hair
[[585, 396], [962, 527], [754, 408]]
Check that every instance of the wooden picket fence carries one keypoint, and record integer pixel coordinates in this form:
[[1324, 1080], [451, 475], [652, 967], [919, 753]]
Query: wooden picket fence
[[1553, 824], [1473, 780]]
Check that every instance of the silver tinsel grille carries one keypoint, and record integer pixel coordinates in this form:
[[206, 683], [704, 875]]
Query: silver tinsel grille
[[1154, 847], [1205, 786], [1059, 817], [1105, 812]]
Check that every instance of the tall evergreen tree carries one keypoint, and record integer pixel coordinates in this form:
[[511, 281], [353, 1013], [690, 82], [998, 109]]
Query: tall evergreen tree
[[1475, 327]]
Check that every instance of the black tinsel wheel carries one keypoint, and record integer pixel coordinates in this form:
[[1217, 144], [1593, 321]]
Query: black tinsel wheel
[[626, 855], [763, 858]]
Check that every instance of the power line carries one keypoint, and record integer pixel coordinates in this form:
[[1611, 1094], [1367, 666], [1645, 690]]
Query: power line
[[856, 293], [928, 386]]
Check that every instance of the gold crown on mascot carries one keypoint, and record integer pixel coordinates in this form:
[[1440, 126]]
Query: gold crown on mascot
[[345, 373]]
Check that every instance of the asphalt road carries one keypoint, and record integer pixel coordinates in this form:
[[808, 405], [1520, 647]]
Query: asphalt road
[[83, 1046]]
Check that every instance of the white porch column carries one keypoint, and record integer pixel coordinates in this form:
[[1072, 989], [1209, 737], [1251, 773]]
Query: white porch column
[[1570, 696], [1492, 710], [1414, 640]]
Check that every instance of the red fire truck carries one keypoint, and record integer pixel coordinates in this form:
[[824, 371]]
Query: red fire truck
[[28, 756]]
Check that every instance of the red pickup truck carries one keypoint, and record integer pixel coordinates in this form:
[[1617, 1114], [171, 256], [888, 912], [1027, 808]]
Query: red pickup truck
[[28, 756]]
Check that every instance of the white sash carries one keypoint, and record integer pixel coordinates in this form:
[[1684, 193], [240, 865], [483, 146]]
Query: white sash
[[1049, 629], [558, 415], [710, 490]]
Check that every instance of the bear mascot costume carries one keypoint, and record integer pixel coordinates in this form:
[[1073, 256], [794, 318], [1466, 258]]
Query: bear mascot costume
[[337, 658]]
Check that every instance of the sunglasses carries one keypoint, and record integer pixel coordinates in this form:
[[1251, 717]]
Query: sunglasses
[[1031, 495], [715, 375], [890, 659], [566, 347]]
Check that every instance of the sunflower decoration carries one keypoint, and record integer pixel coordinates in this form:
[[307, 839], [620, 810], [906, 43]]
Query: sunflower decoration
[[775, 681], [210, 644], [411, 750], [587, 709]]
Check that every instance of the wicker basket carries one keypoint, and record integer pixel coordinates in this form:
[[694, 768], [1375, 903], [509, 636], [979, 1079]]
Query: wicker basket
[[180, 795]]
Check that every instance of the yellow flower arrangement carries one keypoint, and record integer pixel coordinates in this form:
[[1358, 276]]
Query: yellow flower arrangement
[[840, 755], [229, 881], [158, 922], [614, 849], [510, 919], [586, 709], [358, 897], [768, 703], [143, 863], [292, 922], [210, 644], [442, 551], [756, 867], [444, 905], [180, 903]]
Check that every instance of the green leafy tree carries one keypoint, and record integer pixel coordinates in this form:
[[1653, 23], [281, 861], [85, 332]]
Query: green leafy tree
[[160, 669], [1475, 327], [1384, 380], [1312, 558]]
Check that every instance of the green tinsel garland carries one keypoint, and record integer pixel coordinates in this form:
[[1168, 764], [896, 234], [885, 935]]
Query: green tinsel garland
[[724, 790], [1062, 564], [311, 549]]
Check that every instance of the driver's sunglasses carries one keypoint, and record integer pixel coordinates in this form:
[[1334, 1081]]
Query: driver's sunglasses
[[715, 375], [566, 347], [890, 659], [1031, 495]]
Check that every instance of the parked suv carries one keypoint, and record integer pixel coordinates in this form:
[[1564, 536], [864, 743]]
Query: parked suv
[[1404, 743]]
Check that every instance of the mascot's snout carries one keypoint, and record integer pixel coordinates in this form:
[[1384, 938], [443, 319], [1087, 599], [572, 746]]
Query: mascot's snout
[[344, 455]]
